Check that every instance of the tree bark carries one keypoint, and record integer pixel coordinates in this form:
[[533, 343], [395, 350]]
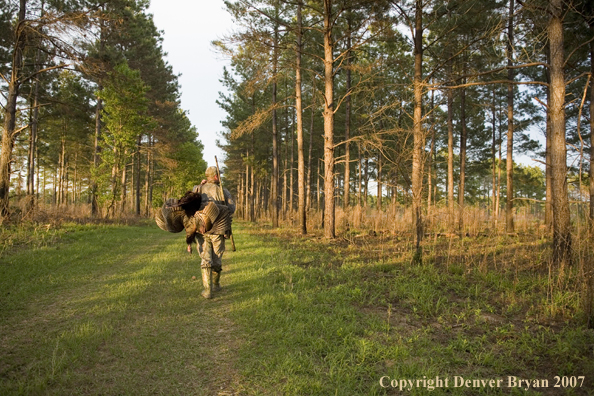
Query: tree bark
[[274, 199], [463, 138], [418, 137], [366, 179], [561, 219], [147, 180], [494, 160], [124, 184], [137, 179], [548, 167], [94, 202], [592, 131], [96, 159], [509, 203], [291, 131], [310, 152], [246, 192], [299, 116], [347, 126], [430, 161], [360, 171], [450, 186], [379, 181], [500, 160], [329, 205], [9, 134]]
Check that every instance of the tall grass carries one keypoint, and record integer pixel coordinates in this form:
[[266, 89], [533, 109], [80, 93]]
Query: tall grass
[[333, 318], [489, 244]]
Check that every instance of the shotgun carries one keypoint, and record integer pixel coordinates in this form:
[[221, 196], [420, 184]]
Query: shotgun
[[223, 194]]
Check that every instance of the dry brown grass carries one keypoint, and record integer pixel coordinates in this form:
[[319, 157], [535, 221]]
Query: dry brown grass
[[56, 215], [482, 246]]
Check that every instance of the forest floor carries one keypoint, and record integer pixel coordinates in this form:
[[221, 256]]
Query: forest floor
[[114, 310]]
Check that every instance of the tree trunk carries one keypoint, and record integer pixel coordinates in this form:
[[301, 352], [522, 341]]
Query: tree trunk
[[329, 218], [494, 160], [114, 186], [124, 184], [137, 179], [299, 115], [9, 134], [318, 190], [96, 158], [253, 190], [592, 132], [498, 200], [62, 173], [561, 219], [291, 165], [310, 151], [360, 171], [94, 202], [548, 167], [463, 138], [247, 187], [450, 186], [509, 203], [347, 127], [32, 148], [418, 137], [33, 138], [285, 171], [147, 179], [366, 181], [274, 199], [379, 181], [75, 179], [430, 162]]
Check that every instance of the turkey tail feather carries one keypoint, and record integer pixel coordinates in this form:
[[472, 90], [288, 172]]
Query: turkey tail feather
[[170, 217]]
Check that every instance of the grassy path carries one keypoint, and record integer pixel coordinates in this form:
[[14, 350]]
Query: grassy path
[[113, 310]]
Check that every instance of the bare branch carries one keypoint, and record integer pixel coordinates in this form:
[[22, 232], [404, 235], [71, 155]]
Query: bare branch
[[444, 87]]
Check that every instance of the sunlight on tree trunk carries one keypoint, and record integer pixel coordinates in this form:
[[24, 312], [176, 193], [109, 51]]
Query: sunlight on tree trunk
[[561, 219], [329, 219], [509, 203], [418, 135]]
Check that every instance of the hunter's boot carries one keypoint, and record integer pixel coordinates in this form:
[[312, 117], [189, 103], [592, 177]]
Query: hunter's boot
[[216, 277], [207, 282]]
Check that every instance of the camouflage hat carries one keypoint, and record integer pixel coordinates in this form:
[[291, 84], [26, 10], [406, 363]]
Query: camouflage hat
[[211, 171]]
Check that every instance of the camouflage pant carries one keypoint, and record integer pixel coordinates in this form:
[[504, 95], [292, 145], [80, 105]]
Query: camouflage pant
[[211, 248]]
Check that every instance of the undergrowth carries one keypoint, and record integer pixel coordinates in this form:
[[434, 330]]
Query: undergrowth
[[114, 309], [335, 317]]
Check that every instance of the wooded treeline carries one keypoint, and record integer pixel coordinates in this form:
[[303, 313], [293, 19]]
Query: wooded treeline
[[90, 110], [427, 102]]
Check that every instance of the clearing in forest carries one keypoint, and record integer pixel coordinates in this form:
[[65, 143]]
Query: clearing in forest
[[114, 310]]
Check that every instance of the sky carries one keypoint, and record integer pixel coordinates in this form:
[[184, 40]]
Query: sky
[[189, 26]]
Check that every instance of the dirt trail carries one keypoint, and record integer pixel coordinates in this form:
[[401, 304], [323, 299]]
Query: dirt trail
[[225, 379]]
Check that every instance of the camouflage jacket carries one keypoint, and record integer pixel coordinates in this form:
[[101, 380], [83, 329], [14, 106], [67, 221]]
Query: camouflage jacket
[[211, 192]]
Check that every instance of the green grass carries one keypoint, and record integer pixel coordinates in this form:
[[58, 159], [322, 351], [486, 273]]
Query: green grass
[[114, 310], [323, 319], [107, 310]]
